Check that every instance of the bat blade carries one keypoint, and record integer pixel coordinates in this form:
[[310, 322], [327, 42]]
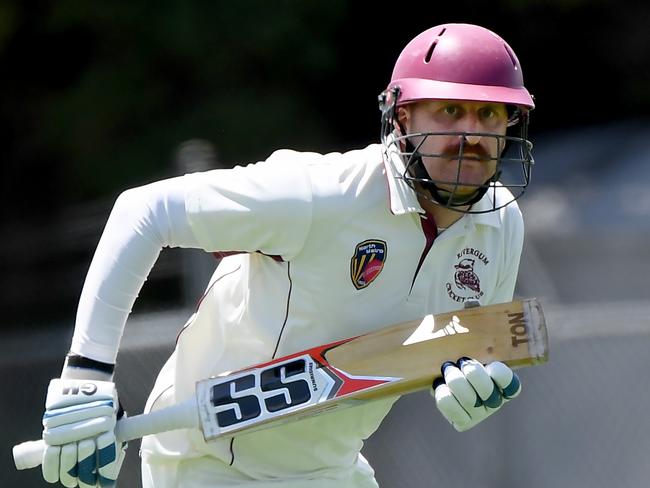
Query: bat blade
[[392, 361]]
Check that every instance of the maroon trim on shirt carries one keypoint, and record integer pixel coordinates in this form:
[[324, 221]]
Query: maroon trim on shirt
[[225, 254], [232, 452], [430, 229], [203, 297], [286, 314]]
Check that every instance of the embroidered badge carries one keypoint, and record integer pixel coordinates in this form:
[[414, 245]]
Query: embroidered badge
[[465, 277], [467, 284], [367, 262]]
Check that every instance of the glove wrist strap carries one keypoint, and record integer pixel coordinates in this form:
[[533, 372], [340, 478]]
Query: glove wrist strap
[[82, 368]]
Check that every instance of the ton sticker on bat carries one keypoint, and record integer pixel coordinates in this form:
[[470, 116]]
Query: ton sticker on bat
[[517, 329]]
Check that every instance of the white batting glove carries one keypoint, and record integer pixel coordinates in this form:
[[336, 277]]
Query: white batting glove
[[79, 432], [469, 392]]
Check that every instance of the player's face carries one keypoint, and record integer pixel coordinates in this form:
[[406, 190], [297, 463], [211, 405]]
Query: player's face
[[478, 164]]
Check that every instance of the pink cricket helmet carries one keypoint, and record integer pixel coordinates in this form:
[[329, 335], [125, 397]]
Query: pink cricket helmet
[[459, 62]]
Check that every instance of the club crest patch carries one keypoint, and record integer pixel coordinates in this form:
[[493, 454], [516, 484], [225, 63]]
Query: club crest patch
[[367, 262], [466, 282]]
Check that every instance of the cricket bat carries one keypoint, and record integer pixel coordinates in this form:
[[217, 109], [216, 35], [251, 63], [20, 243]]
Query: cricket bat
[[395, 360]]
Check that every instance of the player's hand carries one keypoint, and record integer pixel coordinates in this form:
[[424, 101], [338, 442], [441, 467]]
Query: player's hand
[[79, 432], [469, 392]]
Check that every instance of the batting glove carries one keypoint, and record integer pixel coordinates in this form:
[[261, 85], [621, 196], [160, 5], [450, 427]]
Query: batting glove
[[79, 433], [469, 392]]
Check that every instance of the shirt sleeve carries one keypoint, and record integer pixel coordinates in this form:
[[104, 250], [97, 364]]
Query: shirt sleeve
[[143, 221], [263, 207]]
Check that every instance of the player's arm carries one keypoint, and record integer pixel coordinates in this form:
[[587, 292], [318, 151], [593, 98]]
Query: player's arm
[[254, 208], [263, 207], [82, 405], [142, 222]]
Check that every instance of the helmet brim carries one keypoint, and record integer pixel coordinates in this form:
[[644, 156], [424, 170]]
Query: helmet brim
[[418, 89]]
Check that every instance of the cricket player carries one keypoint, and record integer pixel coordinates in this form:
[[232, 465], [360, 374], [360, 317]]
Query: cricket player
[[316, 248]]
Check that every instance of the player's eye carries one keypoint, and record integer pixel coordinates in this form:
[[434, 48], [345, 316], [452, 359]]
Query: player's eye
[[492, 114], [487, 113], [451, 110]]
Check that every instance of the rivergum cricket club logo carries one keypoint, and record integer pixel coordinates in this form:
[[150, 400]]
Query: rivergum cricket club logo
[[367, 262], [467, 284]]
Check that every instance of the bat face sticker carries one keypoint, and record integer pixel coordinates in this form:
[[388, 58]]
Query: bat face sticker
[[427, 330]]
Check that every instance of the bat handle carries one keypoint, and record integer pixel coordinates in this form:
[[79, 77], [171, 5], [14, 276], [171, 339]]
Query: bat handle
[[184, 415], [28, 454]]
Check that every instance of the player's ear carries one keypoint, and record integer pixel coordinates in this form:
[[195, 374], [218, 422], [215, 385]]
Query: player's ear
[[403, 115], [404, 119]]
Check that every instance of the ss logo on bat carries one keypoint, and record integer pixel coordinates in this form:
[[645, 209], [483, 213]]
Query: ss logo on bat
[[262, 392]]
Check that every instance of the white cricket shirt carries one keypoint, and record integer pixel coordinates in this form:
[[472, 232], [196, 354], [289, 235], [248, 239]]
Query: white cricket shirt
[[330, 246]]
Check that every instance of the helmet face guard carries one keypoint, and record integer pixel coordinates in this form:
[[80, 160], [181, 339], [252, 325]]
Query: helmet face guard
[[467, 63]]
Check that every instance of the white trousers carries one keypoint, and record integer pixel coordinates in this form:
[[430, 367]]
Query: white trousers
[[208, 472]]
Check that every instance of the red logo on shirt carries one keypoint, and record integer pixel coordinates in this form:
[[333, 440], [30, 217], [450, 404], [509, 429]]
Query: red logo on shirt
[[367, 262]]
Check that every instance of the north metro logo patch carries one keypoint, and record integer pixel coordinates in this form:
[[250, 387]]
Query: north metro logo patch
[[367, 262]]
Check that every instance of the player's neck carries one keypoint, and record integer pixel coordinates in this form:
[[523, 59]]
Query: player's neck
[[443, 216]]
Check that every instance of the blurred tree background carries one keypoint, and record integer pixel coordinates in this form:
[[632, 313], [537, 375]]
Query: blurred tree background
[[97, 96]]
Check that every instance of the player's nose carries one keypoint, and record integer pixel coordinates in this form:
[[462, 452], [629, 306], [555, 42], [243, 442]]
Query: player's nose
[[472, 139], [470, 126]]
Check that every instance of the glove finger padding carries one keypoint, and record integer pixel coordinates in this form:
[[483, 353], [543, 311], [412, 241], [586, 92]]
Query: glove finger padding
[[110, 456], [460, 387], [480, 379], [505, 378], [87, 463], [50, 465], [449, 406], [68, 465]]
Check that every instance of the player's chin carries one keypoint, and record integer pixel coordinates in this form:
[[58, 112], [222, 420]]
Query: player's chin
[[467, 183], [472, 173], [461, 191]]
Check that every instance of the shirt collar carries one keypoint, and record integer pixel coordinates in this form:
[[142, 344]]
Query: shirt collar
[[403, 198], [492, 217]]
